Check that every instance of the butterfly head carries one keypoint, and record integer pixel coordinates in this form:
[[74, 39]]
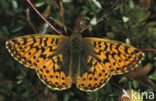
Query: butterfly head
[[76, 41], [76, 35]]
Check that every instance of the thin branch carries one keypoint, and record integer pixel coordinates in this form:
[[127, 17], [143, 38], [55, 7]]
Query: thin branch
[[142, 49], [43, 18]]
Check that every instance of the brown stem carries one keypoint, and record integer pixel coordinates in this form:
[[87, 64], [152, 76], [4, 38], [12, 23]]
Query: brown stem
[[43, 18]]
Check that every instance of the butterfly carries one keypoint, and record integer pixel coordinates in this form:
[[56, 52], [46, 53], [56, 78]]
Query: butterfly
[[61, 61]]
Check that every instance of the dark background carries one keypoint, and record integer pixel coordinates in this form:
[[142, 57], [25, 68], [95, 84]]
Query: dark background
[[18, 83]]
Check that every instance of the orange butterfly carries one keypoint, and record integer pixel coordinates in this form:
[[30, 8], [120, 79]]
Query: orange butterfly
[[61, 61]]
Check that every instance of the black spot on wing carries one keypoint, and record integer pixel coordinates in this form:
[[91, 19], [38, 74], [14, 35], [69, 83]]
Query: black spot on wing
[[107, 57], [57, 41], [45, 42], [140, 56], [111, 45], [15, 41], [106, 46], [24, 41], [40, 41], [117, 47], [126, 49], [52, 41], [43, 56], [42, 49], [34, 40]]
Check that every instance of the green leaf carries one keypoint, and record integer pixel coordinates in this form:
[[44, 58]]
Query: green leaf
[[125, 19], [14, 4], [135, 84], [41, 3], [66, 1], [152, 77], [123, 79], [97, 4], [93, 21]]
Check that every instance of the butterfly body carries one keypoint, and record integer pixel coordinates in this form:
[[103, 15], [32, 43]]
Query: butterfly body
[[61, 61]]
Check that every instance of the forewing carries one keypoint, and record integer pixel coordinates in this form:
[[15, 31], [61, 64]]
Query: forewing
[[43, 53], [116, 57]]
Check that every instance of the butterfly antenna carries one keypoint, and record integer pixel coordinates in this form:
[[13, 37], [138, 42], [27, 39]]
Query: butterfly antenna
[[101, 19], [43, 18], [59, 5], [61, 24]]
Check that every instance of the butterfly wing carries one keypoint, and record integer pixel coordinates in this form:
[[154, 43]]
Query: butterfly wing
[[116, 56], [93, 77], [44, 54], [105, 58]]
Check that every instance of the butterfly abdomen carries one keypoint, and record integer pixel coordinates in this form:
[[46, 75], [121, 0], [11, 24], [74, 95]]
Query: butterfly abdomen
[[75, 51]]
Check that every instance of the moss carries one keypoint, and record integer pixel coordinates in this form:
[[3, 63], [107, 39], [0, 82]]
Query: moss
[[20, 83]]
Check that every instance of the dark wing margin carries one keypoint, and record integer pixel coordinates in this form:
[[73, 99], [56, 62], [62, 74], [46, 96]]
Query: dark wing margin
[[43, 53], [116, 57], [94, 78], [92, 75], [52, 73], [27, 49], [105, 58]]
